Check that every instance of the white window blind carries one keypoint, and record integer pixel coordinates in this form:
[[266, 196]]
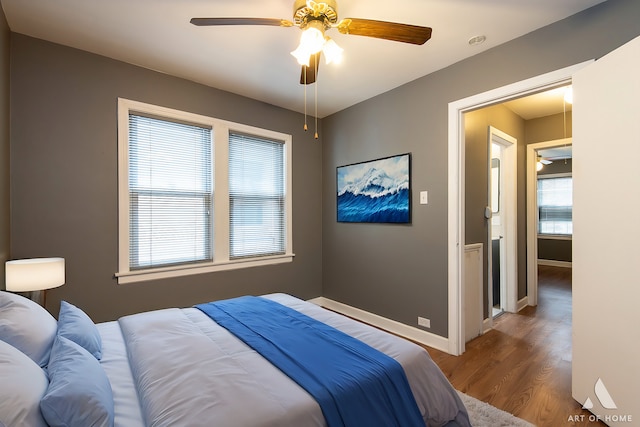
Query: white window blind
[[170, 193], [555, 205], [256, 196]]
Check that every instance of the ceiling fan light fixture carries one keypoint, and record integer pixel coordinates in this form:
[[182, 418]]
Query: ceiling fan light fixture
[[302, 56], [311, 42], [332, 52]]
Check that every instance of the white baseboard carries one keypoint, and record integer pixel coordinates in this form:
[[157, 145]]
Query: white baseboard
[[522, 303], [554, 263], [406, 331], [487, 325]]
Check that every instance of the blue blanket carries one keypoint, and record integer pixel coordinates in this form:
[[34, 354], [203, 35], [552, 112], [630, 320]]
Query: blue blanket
[[354, 384]]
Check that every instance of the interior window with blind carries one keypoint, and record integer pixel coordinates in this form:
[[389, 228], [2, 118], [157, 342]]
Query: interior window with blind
[[170, 192], [199, 194], [555, 205], [256, 196]]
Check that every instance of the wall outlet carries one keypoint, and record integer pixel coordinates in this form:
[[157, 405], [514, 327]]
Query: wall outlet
[[424, 322]]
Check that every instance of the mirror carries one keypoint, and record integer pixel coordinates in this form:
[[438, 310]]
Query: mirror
[[495, 186]]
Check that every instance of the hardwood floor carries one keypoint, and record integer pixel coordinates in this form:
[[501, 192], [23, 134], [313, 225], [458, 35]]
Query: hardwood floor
[[523, 365]]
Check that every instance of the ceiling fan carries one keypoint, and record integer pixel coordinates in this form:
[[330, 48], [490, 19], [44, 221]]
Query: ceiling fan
[[314, 18], [542, 162], [545, 161]]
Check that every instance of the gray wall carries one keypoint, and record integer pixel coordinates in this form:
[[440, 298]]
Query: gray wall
[[5, 242], [64, 180], [549, 128], [401, 271]]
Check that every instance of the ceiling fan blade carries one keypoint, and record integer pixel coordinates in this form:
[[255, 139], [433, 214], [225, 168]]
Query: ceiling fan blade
[[241, 21], [404, 33], [310, 73]]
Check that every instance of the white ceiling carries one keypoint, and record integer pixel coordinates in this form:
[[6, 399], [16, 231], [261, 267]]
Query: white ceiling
[[541, 104], [254, 61], [557, 153]]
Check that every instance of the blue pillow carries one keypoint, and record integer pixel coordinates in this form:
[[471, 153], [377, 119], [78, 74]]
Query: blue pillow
[[79, 392], [75, 325]]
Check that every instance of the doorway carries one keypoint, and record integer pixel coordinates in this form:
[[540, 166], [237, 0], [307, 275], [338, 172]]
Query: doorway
[[456, 175], [533, 150]]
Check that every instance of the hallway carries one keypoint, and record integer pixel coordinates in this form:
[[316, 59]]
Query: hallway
[[523, 365]]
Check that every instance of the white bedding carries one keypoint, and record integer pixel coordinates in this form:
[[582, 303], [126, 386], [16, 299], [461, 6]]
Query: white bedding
[[116, 365], [205, 376]]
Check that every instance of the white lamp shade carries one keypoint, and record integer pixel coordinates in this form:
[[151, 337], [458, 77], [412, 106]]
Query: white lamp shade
[[35, 274], [302, 56], [332, 52], [311, 42]]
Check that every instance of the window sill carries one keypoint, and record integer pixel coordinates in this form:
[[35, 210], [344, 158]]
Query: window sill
[[188, 270], [555, 236]]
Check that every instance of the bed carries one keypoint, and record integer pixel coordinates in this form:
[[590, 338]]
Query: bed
[[177, 367]]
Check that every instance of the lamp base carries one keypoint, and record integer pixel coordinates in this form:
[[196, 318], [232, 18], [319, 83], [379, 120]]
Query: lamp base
[[39, 297]]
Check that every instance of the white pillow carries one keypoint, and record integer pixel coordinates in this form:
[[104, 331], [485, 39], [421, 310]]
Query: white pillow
[[27, 326], [22, 386]]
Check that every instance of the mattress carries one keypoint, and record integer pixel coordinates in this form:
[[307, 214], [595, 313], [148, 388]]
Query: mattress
[[209, 377]]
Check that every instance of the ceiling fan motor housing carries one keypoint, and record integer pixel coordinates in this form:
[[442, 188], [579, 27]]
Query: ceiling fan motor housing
[[305, 11]]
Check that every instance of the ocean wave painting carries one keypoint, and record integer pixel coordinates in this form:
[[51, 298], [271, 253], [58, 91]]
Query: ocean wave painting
[[375, 191]]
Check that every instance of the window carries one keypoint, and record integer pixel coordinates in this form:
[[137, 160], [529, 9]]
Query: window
[[256, 196], [170, 192], [198, 194], [555, 204]]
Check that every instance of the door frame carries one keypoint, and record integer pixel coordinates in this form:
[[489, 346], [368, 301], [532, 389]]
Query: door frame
[[532, 217], [508, 245], [456, 188]]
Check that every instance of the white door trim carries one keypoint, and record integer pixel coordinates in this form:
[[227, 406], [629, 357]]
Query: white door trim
[[532, 217], [510, 212], [455, 251]]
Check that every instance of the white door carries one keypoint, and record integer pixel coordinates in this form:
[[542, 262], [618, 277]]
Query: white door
[[502, 241], [606, 226]]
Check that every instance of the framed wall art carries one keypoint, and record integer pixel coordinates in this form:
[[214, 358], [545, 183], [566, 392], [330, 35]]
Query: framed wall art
[[375, 191]]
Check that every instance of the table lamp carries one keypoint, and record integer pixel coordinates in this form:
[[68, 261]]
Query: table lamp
[[34, 275]]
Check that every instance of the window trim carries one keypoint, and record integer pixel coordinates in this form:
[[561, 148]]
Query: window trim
[[220, 152], [551, 236]]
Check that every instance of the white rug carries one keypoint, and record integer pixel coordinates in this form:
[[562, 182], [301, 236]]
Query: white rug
[[482, 414]]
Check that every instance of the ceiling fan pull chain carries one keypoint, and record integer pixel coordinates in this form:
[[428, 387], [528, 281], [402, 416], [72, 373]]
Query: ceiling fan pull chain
[[316, 114], [564, 120], [305, 101]]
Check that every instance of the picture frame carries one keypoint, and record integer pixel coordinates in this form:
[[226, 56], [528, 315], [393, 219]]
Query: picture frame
[[375, 191]]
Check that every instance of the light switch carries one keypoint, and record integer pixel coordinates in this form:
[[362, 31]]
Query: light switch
[[424, 198]]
